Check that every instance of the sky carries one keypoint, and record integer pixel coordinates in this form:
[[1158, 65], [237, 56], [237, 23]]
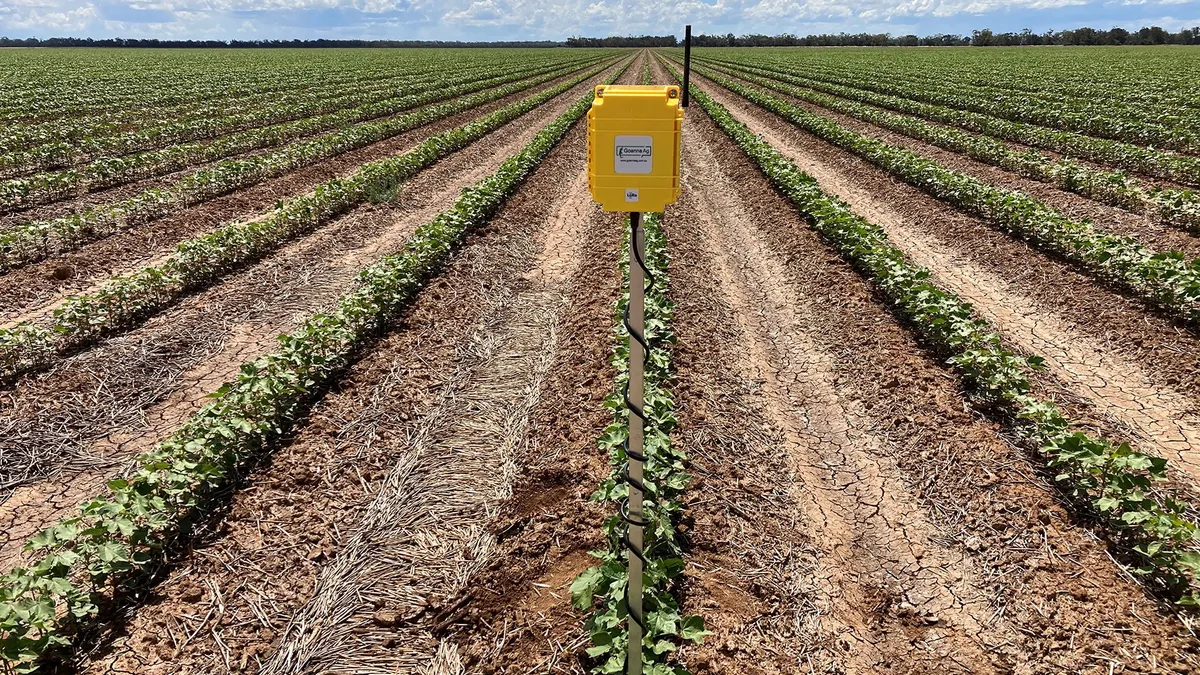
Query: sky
[[559, 19]]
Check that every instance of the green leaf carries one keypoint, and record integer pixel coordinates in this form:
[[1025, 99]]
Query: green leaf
[[583, 588], [692, 629], [1189, 560]]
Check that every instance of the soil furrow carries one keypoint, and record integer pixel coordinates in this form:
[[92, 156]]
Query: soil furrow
[[1144, 399], [462, 462], [1147, 180], [914, 95], [788, 351], [33, 286], [1149, 231], [474, 342], [515, 616], [871, 544], [106, 405], [853, 508], [144, 113], [402, 86], [86, 198]]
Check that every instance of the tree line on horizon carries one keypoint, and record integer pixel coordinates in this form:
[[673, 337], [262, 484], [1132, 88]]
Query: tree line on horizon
[[264, 44], [1149, 35]]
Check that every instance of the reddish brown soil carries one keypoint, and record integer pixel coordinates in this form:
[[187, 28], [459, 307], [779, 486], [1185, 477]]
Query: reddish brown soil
[[754, 418], [1148, 181], [850, 511], [157, 116], [79, 202], [1154, 234], [30, 286], [261, 564], [1133, 372], [467, 454], [120, 398], [516, 617]]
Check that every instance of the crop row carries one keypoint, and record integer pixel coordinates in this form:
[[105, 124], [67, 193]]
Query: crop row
[[1163, 100], [1127, 156], [1103, 121], [33, 241], [1052, 88], [294, 94], [73, 84], [1167, 280], [664, 478], [107, 172], [299, 105], [1176, 207], [124, 533], [1158, 80], [1112, 482], [1157, 85], [65, 141], [601, 590], [1139, 123], [90, 92], [196, 262]]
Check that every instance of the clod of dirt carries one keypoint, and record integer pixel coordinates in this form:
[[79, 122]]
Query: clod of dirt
[[386, 617], [193, 594]]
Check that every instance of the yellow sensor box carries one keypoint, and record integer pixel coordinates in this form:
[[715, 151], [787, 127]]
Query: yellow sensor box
[[633, 147]]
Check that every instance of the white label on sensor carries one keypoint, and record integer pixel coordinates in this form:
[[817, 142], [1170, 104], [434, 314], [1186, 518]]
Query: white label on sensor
[[634, 154], [631, 194]]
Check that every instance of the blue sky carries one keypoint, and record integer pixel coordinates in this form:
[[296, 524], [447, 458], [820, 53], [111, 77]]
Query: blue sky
[[558, 19]]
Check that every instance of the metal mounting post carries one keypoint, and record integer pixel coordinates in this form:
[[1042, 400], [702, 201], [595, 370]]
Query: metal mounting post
[[635, 322]]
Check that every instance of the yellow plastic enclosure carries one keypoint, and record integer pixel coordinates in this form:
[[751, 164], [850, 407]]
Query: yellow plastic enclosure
[[633, 147]]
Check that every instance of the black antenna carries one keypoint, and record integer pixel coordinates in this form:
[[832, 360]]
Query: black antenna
[[687, 61]]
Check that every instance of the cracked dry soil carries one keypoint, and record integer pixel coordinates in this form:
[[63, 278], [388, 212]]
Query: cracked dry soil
[[30, 287], [850, 515], [1117, 364]]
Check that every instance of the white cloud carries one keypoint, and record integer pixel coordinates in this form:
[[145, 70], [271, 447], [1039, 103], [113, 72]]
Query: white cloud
[[884, 10], [523, 19], [222, 6], [45, 18], [482, 13]]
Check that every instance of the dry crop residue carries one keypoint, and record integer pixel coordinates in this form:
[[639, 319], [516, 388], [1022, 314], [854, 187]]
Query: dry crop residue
[[120, 398], [348, 459], [28, 287], [1152, 233], [516, 617]]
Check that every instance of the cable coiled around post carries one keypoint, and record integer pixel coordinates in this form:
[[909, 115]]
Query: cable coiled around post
[[634, 409]]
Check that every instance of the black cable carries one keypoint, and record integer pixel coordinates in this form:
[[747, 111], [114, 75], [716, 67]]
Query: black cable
[[635, 221]]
